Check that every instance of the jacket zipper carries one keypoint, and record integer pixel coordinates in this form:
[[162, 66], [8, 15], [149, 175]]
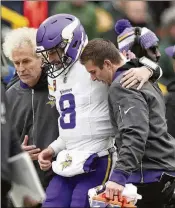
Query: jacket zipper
[[142, 179], [33, 115], [120, 113]]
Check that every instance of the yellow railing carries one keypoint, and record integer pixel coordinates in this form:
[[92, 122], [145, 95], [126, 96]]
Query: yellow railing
[[15, 19]]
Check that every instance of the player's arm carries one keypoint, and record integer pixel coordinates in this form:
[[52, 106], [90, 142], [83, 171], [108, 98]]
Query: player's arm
[[58, 145], [140, 71], [45, 157], [131, 115]]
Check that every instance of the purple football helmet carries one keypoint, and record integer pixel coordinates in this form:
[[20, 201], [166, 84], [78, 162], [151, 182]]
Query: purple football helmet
[[63, 32]]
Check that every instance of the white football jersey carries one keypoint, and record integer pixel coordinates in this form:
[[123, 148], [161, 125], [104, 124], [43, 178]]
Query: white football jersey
[[84, 122]]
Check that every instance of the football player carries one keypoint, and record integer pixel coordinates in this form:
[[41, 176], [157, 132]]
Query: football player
[[85, 148]]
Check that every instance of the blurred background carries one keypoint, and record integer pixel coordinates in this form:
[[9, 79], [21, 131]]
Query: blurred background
[[98, 19]]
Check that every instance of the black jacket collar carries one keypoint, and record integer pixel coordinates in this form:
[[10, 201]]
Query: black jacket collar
[[40, 84]]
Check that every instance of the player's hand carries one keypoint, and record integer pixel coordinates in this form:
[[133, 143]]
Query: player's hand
[[129, 54], [113, 189], [135, 76], [45, 158], [31, 149], [29, 202]]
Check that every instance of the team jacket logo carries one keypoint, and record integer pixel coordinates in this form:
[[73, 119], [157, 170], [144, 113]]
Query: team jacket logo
[[52, 101]]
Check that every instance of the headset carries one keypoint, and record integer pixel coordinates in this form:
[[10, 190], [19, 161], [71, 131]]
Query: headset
[[137, 48]]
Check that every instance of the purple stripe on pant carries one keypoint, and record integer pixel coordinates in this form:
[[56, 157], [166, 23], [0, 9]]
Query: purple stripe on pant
[[73, 191]]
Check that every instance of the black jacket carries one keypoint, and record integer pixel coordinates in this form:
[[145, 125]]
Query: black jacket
[[138, 118], [170, 108], [12, 81], [9, 143], [32, 115]]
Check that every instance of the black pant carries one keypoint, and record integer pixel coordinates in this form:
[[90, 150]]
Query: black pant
[[157, 194]]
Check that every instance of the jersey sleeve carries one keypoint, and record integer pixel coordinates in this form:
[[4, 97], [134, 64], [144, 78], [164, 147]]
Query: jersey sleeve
[[58, 145]]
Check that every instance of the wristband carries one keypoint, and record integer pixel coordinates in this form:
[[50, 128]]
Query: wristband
[[152, 66]]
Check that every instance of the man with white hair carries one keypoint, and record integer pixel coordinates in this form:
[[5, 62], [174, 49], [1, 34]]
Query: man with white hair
[[33, 120]]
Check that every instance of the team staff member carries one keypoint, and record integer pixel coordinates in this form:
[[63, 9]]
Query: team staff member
[[145, 149]]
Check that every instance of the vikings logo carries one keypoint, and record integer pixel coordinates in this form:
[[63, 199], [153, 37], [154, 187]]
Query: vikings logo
[[67, 162], [51, 101]]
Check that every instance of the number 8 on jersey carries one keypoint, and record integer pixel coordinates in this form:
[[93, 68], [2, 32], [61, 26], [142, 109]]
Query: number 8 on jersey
[[67, 107]]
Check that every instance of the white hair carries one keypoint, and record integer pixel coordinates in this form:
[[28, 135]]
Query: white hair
[[19, 38]]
